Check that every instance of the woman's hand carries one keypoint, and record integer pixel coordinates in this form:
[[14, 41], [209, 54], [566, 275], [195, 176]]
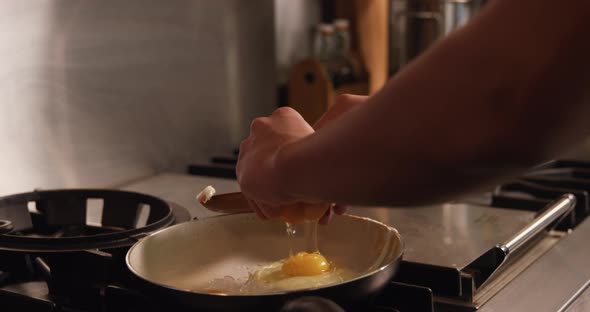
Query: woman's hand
[[257, 170]]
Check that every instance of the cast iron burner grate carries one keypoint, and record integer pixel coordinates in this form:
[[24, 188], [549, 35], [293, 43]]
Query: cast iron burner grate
[[67, 220], [60, 249], [542, 185]]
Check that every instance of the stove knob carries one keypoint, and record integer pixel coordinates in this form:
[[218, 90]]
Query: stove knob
[[311, 304]]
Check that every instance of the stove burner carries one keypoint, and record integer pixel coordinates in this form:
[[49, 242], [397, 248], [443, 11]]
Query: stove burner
[[61, 249], [70, 220]]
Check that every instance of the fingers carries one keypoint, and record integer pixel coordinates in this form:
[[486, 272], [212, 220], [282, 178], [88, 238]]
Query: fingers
[[339, 209], [284, 111], [327, 217], [271, 212], [244, 145], [264, 211], [334, 209], [256, 210], [258, 123]]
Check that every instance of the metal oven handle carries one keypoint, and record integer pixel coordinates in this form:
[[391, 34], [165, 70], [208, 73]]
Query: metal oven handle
[[486, 265], [561, 207]]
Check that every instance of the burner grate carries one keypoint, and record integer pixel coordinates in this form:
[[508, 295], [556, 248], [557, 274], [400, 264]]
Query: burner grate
[[66, 220], [64, 247], [543, 185]]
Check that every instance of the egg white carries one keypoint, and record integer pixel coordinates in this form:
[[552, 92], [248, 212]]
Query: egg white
[[270, 278]]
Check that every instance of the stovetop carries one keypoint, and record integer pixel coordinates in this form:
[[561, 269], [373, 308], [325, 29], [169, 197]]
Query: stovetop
[[440, 241]]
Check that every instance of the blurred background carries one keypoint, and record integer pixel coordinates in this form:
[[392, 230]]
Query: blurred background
[[101, 93]]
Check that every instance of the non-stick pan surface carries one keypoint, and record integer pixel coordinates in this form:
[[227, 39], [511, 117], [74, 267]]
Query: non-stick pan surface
[[177, 263]]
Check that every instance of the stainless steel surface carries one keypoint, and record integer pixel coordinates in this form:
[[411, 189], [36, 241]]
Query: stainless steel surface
[[416, 25], [492, 261], [182, 190], [550, 281], [564, 205], [238, 244], [450, 235], [579, 302], [96, 93], [514, 266]]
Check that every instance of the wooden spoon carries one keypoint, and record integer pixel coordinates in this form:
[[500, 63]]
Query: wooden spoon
[[228, 203]]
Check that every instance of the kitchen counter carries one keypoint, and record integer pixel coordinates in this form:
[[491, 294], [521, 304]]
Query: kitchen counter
[[561, 275], [448, 235]]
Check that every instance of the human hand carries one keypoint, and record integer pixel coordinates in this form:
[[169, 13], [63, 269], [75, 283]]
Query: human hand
[[257, 172], [342, 104]]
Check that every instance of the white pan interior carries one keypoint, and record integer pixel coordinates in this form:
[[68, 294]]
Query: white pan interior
[[188, 256]]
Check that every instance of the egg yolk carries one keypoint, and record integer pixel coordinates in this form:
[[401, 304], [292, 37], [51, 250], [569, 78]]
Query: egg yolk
[[305, 264]]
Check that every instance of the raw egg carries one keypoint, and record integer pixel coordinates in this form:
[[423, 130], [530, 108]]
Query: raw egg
[[276, 277], [312, 268], [300, 271], [305, 264]]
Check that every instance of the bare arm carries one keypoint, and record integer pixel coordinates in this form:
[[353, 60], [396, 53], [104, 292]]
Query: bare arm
[[497, 96], [507, 91]]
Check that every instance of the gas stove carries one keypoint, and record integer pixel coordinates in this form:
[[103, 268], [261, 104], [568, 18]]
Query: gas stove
[[63, 250]]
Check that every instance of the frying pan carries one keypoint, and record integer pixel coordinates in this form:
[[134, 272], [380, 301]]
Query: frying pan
[[178, 262]]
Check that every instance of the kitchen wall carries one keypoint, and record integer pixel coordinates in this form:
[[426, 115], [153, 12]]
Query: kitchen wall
[[96, 93]]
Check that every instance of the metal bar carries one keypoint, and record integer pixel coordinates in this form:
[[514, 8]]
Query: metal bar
[[575, 297], [561, 206]]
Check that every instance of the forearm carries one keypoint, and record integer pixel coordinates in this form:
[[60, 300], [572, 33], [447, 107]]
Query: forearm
[[478, 106]]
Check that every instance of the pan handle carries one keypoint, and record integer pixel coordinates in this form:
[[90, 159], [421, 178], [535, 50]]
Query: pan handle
[[559, 208]]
